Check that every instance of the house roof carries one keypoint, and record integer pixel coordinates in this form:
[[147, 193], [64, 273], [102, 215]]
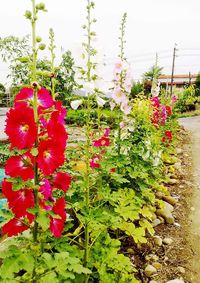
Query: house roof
[[185, 76]]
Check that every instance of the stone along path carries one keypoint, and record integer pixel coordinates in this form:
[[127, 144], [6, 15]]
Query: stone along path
[[193, 126]]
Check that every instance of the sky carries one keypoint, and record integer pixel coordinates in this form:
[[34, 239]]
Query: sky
[[153, 26]]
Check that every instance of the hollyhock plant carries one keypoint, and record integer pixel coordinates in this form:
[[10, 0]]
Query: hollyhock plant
[[50, 156], [16, 226], [94, 163], [18, 201], [20, 166], [21, 127], [57, 225], [25, 98], [39, 129], [62, 181], [103, 141]]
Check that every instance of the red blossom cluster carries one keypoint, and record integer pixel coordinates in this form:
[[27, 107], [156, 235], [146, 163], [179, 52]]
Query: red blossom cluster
[[160, 112], [42, 143], [99, 143], [167, 138]]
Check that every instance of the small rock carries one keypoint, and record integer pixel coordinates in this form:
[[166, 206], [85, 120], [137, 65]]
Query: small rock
[[159, 195], [158, 241], [157, 265], [176, 281], [181, 269], [152, 257], [156, 222], [177, 224], [167, 241], [192, 208], [181, 186], [172, 181], [166, 212], [170, 200], [150, 270], [161, 219], [179, 150]]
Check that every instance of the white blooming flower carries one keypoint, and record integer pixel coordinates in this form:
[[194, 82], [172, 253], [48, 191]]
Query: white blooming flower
[[76, 103], [100, 101]]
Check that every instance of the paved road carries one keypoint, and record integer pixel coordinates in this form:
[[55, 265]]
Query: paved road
[[193, 126], [3, 111]]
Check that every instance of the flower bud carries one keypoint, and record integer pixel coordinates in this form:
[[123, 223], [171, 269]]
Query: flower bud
[[40, 6], [38, 38], [28, 15], [35, 85], [42, 46]]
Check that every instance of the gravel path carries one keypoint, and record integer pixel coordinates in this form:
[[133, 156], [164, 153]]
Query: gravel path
[[193, 126]]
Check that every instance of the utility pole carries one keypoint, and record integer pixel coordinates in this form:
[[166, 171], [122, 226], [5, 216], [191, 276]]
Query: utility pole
[[190, 79], [173, 65]]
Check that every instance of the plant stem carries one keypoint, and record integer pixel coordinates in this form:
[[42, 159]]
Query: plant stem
[[87, 175], [36, 181]]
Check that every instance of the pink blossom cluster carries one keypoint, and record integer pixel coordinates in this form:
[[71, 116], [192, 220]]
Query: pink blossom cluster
[[160, 112], [122, 87]]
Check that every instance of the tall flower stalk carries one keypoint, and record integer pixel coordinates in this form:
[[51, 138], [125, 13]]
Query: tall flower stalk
[[122, 83]]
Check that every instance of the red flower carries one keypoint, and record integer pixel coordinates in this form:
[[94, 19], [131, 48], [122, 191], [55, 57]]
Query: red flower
[[168, 110], [18, 166], [168, 134], [16, 226], [62, 181], [25, 98], [60, 112], [58, 133], [18, 201], [50, 156], [104, 141], [94, 162], [21, 128], [57, 225]]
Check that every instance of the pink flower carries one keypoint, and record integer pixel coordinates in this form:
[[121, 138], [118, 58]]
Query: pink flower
[[118, 67], [107, 132], [18, 166], [94, 162], [125, 108], [174, 99], [25, 98], [118, 96], [155, 102], [104, 141], [21, 127]]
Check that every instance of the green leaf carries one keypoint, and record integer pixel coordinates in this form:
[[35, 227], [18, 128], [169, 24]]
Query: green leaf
[[43, 220], [34, 151]]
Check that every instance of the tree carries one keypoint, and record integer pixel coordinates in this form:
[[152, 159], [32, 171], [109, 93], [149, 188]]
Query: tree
[[66, 77], [136, 89], [154, 72], [197, 85]]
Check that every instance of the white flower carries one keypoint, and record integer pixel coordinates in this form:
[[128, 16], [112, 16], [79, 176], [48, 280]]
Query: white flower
[[118, 95], [88, 88], [112, 105], [76, 103], [126, 108], [100, 101]]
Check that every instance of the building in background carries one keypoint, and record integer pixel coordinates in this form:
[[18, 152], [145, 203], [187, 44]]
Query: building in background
[[179, 81]]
